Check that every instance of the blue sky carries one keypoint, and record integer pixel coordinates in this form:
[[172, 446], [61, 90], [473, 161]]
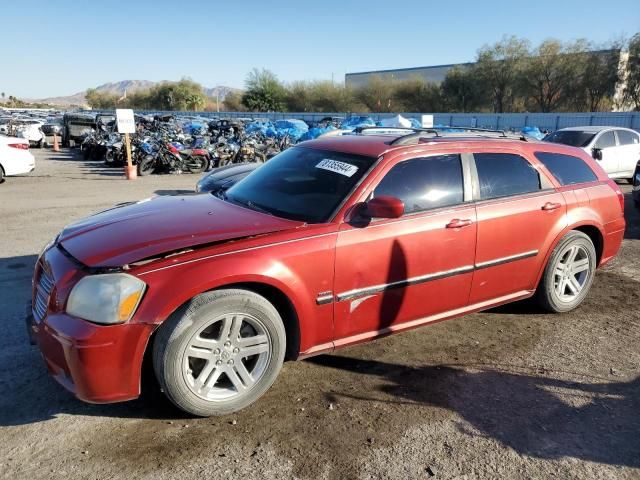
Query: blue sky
[[61, 47]]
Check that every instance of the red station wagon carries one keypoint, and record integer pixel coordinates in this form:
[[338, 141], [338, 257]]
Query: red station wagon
[[333, 242]]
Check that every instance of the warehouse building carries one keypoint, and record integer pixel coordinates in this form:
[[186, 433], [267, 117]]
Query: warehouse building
[[433, 74]]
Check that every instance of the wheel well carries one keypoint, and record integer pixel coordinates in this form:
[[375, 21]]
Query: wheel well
[[279, 300], [596, 237], [285, 309]]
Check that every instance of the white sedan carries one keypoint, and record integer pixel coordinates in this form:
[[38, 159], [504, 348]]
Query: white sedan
[[15, 157], [616, 149]]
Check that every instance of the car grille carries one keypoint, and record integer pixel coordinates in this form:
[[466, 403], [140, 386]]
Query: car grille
[[42, 295]]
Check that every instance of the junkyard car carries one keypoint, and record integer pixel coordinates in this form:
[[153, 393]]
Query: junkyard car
[[331, 243], [617, 150], [222, 179], [15, 157]]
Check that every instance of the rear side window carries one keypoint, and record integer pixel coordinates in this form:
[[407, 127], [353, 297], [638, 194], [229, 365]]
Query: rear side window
[[606, 140], [567, 169], [504, 174], [424, 183], [626, 137]]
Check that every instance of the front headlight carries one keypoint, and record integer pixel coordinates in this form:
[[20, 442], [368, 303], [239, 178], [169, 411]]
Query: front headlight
[[109, 298]]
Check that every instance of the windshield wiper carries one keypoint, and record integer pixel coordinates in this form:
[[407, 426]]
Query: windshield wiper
[[247, 204], [257, 208], [221, 194]]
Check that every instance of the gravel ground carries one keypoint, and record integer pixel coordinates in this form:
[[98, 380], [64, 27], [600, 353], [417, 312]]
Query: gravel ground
[[510, 393]]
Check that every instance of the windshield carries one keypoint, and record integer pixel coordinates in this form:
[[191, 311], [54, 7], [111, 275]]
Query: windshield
[[301, 184], [574, 138]]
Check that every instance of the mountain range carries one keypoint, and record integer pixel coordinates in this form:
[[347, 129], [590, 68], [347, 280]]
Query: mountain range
[[129, 86]]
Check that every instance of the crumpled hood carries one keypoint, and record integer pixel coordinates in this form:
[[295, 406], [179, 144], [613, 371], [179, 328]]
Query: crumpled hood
[[160, 225]]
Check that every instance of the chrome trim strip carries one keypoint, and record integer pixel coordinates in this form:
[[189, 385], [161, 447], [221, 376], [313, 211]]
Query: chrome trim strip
[[375, 289], [324, 299], [511, 258], [362, 292]]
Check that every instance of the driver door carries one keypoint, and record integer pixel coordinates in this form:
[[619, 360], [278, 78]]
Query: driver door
[[393, 271]]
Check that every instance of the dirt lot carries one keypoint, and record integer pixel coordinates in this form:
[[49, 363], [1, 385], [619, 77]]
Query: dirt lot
[[510, 393]]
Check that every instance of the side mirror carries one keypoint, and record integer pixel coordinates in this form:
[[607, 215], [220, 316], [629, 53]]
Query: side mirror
[[596, 153], [384, 207]]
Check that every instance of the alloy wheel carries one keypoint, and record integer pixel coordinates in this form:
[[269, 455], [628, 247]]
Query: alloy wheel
[[224, 359], [571, 273]]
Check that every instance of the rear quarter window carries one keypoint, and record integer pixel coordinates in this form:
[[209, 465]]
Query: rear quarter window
[[567, 169]]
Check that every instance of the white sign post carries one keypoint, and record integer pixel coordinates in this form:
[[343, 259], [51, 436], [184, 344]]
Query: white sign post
[[127, 124], [427, 121]]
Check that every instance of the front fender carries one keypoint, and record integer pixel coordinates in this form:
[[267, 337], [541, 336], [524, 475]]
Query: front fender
[[301, 273]]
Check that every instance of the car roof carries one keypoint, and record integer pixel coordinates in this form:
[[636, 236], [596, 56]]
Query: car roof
[[593, 128], [375, 145]]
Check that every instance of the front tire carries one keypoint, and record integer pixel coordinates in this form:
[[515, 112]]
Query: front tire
[[146, 166], [220, 352], [569, 273]]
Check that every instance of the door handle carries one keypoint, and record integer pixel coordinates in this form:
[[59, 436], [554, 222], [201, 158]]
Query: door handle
[[458, 223], [551, 206]]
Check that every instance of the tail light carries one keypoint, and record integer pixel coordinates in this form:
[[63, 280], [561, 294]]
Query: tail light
[[20, 146], [619, 193]]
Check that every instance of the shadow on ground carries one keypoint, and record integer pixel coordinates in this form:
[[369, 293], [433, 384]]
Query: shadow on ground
[[536, 416]]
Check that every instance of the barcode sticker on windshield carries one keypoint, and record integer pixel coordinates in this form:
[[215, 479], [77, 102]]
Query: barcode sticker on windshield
[[335, 166]]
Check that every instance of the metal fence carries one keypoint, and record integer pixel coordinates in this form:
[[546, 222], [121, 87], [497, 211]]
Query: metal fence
[[501, 121]]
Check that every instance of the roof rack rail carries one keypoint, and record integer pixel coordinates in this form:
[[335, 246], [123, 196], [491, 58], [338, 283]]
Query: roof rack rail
[[416, 133], [412, 129]]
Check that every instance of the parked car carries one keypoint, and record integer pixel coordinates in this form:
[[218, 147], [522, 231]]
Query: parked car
[[635, 192], [75, 128], [222, 179], [333, 242], [617, 150], [32, 131], [15, 157]]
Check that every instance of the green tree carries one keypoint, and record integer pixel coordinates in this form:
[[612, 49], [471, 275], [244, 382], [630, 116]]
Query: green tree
[[377, 95], [462, 91], [498, 68], [546, 75], [298, 97], [100, 100], [183, 95], [418, 95], [631, 91], [233, 102], [264, 92]]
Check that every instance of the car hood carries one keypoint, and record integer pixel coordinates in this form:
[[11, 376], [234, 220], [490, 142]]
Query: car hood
[[162, 224]]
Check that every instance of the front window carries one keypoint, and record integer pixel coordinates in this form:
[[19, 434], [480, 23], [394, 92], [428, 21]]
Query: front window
[[425, 183], [301, 184], [573, 138]]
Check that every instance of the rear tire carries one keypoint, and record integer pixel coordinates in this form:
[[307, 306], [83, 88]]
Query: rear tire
[[569, 273], [2, 178], [197, 164], [220, 352]]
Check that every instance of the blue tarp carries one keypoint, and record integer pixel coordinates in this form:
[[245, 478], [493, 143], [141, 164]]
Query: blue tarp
[[291, 127], [352, 123], [315, 132], [533, 132], [258, 126]]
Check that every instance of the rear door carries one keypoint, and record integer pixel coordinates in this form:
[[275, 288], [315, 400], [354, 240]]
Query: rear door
[[606, 142], [519, 213], [628, 151]]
